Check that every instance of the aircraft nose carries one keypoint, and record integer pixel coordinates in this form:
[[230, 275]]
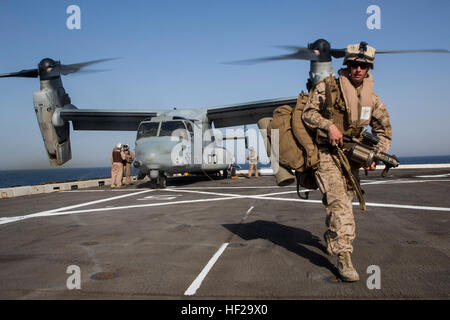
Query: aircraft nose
[[155, 154], [151, 157]]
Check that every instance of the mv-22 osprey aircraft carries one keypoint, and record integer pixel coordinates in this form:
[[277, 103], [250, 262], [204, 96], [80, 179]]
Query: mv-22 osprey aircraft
[[160, 132]]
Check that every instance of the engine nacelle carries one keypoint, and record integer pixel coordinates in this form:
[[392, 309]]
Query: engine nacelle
[[56, 134]]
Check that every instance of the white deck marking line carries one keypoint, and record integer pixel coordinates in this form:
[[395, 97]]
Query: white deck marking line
[[205, 192], [225, 187], [286, 192], [404, 181], [402, 206], [95, 202], [265, 197], [4, 220], [144, 205], [277, 187], [62, 213], [435, 176], [232, 194], [369, 204], [106, 190], [198, 281], [248, 213]]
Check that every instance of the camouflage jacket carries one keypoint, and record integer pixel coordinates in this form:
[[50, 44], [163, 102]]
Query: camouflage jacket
[[379, 119]]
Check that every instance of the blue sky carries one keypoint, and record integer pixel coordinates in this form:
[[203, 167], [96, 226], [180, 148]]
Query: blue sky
[[172, 53]]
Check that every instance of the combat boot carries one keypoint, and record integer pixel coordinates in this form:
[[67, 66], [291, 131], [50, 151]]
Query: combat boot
[[345, 267]]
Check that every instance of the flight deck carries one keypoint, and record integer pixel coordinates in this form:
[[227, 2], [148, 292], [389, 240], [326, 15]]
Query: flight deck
[[203, 238]]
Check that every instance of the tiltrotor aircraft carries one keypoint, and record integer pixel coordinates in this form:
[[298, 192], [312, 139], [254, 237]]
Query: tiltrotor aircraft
[[167, 141]]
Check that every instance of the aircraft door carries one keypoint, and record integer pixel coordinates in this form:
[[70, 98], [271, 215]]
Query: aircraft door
[[181, 131], [215, 157]]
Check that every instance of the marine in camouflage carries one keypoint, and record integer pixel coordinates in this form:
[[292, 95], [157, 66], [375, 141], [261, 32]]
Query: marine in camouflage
[[337, 194]]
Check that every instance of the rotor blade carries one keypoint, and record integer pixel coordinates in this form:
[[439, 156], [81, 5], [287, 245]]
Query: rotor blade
[[302, 53], [66, 69], [259, 60], [299, 55], [32, 73], [292, 48], [337, 53], [87, 71], [414, 51]]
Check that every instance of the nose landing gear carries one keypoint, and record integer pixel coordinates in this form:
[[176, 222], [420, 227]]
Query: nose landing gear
[[160, 182]]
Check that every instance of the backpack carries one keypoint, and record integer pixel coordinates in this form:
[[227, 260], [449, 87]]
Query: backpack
[[298, 151]]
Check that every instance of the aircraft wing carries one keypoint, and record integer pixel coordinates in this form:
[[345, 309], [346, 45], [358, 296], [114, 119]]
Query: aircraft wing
[[105, 119], [246, 113]]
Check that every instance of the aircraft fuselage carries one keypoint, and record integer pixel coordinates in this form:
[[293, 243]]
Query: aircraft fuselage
[[169, 145]]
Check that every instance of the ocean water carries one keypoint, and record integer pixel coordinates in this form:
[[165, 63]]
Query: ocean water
[[14, 178]]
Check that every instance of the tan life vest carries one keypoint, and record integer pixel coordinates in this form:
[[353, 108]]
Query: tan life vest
[[349, 109]]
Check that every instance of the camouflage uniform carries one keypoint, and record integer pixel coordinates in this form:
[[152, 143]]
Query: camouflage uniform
[[337, 197]]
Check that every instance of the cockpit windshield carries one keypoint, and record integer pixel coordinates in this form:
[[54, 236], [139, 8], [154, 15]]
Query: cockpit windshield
[[147, 129], [168, 127]]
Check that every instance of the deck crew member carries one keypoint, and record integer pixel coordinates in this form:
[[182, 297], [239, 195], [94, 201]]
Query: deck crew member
[[253, 158], [117, 156], [129, 157]]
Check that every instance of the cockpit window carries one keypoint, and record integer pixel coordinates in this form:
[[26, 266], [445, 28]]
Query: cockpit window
[[147, 129], [189, 127], [167, 127]]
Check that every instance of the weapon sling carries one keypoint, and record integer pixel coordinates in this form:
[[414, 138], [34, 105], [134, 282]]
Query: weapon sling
[[346, 166]]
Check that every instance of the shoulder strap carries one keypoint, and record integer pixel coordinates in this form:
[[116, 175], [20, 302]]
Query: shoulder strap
[[306, 194], [331, 92]]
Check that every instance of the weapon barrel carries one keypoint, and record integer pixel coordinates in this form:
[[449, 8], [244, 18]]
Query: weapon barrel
[[387, 159]]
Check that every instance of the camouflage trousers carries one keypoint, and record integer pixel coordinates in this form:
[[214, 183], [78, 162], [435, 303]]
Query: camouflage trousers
[[127, 173], [116, 174], [337, 199]]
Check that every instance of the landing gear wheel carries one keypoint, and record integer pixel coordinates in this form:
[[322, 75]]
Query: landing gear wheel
[[141, 175], [153, 183], [225, 174], [162, 181]]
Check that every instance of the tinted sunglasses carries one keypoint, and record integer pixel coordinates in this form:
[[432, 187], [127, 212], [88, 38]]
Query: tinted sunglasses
[[356, 64]]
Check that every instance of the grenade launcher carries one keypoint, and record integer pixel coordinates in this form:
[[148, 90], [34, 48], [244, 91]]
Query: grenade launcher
[[364, 151]]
